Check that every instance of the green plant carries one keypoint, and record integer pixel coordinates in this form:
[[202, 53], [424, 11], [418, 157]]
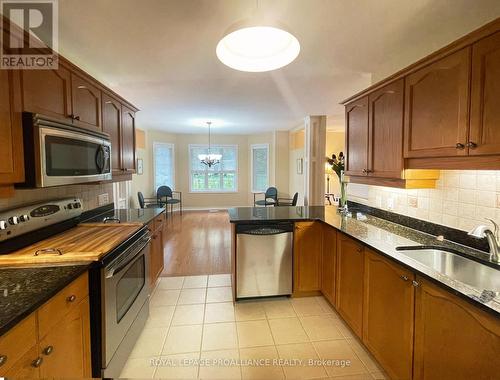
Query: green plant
[[337, 164]]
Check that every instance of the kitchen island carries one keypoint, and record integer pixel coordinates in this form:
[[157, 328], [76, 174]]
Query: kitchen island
[[413, 313]]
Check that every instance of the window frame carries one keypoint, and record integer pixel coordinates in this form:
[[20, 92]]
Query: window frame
[[252, 147], [171, 146], [206, 171]]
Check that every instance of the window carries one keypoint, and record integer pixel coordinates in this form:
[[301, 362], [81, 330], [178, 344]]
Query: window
[[222, 177], [163, 161], [260, 167]]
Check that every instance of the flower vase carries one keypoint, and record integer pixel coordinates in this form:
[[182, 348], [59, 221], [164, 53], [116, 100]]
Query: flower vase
[[343, 198]]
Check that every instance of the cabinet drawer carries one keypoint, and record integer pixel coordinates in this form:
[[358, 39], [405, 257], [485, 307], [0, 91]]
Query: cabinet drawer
[[159, 221], [62, 303], [24, 368], [17, 342]]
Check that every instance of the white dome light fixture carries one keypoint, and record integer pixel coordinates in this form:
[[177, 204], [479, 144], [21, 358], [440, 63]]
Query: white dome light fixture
[[255, 46]]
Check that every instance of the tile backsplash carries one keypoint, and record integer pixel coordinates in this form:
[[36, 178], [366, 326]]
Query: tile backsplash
[[462, 199], [89, 194]]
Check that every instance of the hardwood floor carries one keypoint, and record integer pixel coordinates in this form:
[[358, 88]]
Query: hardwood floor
[[198, 242]]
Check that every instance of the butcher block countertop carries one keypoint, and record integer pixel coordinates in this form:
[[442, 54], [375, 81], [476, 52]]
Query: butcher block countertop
[[83, 243]]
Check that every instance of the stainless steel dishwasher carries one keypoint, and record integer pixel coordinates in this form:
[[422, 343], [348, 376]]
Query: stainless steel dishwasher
[[264, 260]]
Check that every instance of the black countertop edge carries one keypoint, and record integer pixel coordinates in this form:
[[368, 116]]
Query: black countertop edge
[[141, 215], [317, 213], [33, 306]]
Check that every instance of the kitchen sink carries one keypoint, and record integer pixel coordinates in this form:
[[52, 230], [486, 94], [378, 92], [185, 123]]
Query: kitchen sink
[[457, 267]]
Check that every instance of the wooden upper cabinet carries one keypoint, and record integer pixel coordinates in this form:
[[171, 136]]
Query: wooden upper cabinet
[[485, 99], [350, 275], [437, 104], [356, 115], [11, 139], [46, 92], [453, 339], [86, 102], [388, 312], [329, 264], [111, 124], [385, 148], [307, 257], [128, 139]]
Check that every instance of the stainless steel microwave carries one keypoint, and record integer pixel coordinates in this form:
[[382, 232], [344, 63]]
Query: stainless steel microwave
[[59, 154]]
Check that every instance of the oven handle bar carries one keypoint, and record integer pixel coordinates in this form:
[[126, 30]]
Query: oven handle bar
[[113, 271]]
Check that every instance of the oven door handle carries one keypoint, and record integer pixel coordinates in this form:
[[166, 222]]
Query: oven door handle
[[113, 271]]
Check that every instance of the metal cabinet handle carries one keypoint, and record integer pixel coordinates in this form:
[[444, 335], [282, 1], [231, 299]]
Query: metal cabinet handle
[[37, 362], [365, 171], [460, 146], [415, 283], [71, 298], [48, 350], [471, 145], [404, 278], [3, 359]]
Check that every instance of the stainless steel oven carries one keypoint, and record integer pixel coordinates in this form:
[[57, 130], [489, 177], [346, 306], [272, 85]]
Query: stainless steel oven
[[60, 154], [124, 302]]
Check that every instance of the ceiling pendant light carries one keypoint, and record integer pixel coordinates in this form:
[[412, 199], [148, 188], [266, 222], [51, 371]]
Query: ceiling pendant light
[[209, 159], [255, 45]]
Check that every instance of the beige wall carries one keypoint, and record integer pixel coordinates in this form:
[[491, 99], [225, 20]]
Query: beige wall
[[335, 143], [296, 182], [243, 197]]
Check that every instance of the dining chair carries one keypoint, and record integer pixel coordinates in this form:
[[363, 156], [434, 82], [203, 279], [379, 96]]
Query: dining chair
[[289, 201], [165, 195], [148, 202], [270, 198]]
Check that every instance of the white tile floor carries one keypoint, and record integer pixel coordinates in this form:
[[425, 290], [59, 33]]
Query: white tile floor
[[194, 331]]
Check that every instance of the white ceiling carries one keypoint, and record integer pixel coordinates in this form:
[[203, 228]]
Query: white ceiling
[[160, 54]]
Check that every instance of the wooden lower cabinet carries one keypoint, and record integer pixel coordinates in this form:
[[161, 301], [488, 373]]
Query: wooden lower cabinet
[[388, 311], [453, 339], [65, 350], [156, 265], [61, 351], [307, 258], [329, 264], [350, 278]]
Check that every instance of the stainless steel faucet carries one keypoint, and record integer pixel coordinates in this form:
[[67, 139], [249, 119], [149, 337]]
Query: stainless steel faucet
[[492, 237]]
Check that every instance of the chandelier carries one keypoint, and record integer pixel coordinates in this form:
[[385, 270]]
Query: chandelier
[[209, 159]]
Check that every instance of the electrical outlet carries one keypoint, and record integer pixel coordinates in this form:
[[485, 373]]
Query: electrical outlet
[[103, 199], [390, 203], [412, 201]]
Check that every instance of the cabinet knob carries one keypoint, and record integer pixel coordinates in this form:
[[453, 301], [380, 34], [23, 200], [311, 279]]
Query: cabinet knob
[[3, 360], [415, 283], [471, 145], [459, 146], [37, 362], [359, 250], [404, 278], [365, 171], [48, 350], [77, 117], [71, 298]]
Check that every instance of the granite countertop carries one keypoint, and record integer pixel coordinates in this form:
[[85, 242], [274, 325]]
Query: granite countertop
[[131, 215], [381, 235], [23, 290]]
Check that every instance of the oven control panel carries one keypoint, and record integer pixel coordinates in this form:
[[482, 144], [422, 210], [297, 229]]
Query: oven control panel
[[24, 219]]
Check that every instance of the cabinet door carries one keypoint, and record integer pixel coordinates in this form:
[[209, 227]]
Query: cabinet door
[[307, 257], [111, 123], [453, 339], [27, 367], [11, 139], [388, 312], [356, 116], [128, 139], [66, 347], [436, 108], [385, 149], [86, 101], [47, 92], [329, 263], [350, 272], [485, 101]]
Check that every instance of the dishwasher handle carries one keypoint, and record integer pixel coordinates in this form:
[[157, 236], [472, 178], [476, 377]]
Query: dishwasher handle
[[271, 229]]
